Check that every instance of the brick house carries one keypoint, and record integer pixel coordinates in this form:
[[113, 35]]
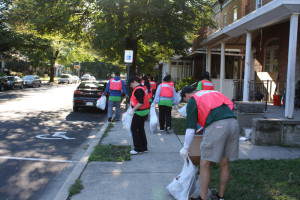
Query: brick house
[[254, 50]]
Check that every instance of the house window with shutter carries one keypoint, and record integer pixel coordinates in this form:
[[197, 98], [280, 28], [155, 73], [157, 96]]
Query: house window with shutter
[[235, 14]]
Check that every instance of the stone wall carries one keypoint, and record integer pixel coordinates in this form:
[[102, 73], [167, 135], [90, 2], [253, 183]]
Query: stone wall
[[276, 132]]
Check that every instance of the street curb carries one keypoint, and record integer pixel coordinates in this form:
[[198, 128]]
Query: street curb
[[63, 193]]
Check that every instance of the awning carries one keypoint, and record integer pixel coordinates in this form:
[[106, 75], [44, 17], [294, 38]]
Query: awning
[[271, 13]]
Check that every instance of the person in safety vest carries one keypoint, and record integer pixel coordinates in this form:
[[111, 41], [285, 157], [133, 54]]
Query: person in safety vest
[[220, 144], [205, 83], [115, 88], [165, 97], [140, 104]]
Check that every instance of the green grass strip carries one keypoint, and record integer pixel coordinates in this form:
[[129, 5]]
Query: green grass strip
[[110, 153], [179, 125], [262, 180], [75, 188]]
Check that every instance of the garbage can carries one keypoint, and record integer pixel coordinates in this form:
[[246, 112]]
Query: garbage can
[[276, 100]]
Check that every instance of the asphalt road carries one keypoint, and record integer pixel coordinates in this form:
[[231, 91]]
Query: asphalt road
[[33, 162]]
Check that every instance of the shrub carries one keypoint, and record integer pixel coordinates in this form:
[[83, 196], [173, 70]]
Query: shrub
[[184, 82]]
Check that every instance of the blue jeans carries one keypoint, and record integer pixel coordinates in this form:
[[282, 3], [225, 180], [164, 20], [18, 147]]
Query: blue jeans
[[112, 104]]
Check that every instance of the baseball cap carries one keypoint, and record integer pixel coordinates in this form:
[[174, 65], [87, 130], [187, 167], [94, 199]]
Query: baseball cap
[[186, 90]]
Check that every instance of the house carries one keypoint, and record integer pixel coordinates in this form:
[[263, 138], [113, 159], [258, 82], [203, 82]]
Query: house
[[253, 52], [178, 67]]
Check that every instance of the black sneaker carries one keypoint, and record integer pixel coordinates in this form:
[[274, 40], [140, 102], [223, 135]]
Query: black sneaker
[[217, 197], [109, 119]]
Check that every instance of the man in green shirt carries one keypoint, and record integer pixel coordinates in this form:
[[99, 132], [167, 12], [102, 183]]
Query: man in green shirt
[[220, 141]]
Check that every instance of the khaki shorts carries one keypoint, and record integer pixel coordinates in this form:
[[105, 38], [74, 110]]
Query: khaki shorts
[[221, 140]]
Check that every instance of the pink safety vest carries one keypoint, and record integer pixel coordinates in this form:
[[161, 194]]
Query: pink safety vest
[[167, 89], [207, 100], [207, 85], [115, 85]]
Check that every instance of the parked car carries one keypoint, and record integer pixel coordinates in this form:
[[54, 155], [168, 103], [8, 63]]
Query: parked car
[[92, 78], [75, 79], [86, 77], [32, 81], [15, 82], [3, 83], [87, 94], [65, 78]]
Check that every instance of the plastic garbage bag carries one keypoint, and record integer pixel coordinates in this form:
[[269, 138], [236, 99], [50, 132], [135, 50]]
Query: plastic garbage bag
[[101, 103], [195, 189], [127, 119], [177, 98], [182, 110], [153, 119], [180, 187]]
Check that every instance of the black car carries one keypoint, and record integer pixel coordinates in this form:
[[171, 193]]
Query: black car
[[15, 82], [32, 81], [3, 83], [87, 94]]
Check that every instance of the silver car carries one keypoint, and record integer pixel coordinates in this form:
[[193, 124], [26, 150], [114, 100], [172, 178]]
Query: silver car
[[32, 81]]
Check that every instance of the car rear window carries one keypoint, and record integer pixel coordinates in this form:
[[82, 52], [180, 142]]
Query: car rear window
[[91, 85], [64, 76]]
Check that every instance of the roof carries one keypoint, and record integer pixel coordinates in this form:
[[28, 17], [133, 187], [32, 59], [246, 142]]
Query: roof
[[269, 14]]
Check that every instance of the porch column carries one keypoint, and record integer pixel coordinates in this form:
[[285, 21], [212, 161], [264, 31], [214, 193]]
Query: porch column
[[248, 66], [291, 70], [222, 67], [208, 60]]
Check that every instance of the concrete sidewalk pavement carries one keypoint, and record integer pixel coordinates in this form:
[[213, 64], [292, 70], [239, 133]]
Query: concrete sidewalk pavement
[[146, 176]]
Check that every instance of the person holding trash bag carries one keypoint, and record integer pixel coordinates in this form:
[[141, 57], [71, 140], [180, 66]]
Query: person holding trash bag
[[140, 109], [220, 143], [205, 83], [115, 88], [165, 97]]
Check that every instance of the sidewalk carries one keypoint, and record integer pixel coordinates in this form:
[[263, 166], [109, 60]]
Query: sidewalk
[[145, 176]]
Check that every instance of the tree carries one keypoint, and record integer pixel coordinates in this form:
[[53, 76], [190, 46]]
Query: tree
[[145, 26], [59, 22]]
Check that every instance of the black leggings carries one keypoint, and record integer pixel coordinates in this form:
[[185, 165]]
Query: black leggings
[[165, 117], [138, 133]]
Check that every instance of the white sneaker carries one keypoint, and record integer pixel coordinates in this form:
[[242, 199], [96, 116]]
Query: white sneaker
[[133, 152]]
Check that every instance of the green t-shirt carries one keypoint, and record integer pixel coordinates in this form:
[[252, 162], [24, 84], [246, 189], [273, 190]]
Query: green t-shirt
[[115, 98], [165, 103], [219, 113]]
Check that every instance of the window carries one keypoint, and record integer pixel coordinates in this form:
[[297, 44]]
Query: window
[[258, 3], [271, 55], [225, 19], [235, 14]]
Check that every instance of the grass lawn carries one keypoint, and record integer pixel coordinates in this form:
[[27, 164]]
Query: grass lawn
[[262, 180], [178, 125], [110, 153], [75, 188]]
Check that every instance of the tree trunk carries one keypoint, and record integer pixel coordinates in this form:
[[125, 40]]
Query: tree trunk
[[52, 69]]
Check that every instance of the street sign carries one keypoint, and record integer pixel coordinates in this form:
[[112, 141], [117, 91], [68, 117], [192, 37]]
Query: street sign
[[128, 56]]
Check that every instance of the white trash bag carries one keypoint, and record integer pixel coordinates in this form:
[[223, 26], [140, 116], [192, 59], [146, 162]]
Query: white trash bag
[[127, 119], [101, 103], [153, 119], [181, 186], [177, 98], [182, 110]]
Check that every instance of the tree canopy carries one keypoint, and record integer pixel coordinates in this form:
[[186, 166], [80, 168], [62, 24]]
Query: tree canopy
[[65, 31]]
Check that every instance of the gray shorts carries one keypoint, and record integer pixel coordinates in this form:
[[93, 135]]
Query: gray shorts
[[221, 140]]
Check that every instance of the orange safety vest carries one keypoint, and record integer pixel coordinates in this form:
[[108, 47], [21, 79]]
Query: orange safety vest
[[167, 89], [115, 84], [206, 101], [134, 101], [207, 85]]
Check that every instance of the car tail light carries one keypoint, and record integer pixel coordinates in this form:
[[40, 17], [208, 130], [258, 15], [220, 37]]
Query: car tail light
[[78, 92]]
